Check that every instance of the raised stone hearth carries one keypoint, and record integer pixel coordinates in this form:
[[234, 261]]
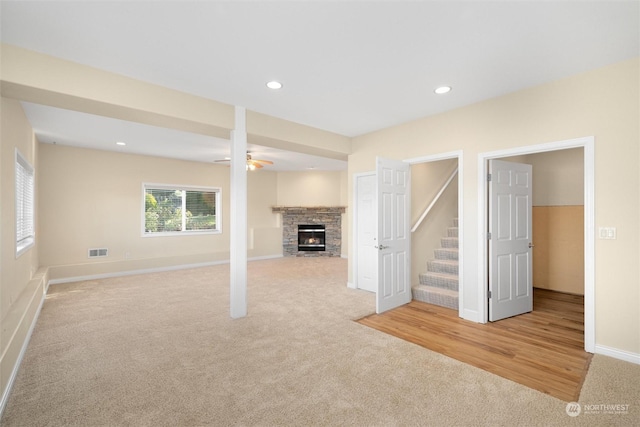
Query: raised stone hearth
[[329, 216]]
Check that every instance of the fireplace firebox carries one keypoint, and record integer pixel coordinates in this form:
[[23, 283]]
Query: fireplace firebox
[[311, 237]]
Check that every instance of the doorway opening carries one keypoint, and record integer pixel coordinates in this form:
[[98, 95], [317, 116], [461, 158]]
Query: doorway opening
[[586, 144], [428, 237], [364, 224]]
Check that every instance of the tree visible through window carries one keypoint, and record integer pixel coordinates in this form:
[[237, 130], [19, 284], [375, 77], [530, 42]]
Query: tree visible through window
[[169, 209]]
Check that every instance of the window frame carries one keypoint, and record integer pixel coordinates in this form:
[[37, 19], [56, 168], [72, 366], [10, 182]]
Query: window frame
[[25, 243], [179, 187]]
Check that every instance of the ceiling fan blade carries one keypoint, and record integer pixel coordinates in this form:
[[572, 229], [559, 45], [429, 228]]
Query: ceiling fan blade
[[253, 163]]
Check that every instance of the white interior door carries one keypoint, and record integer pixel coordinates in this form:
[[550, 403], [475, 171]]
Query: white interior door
[[367, 256], [510, 244], [394, 237]]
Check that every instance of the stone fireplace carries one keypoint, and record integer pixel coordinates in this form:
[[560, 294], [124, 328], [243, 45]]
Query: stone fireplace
[[327, 219]]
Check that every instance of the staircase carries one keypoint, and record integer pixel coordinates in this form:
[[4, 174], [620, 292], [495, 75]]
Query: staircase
[[439, 285]]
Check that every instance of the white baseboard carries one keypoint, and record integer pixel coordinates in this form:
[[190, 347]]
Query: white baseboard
[[471, 315], [150, 270], [258, 258], [133, 272], [627, 356], [351, 285], [23, 350]]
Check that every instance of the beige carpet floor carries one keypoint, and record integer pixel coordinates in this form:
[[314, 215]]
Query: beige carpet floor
[[161, 350]]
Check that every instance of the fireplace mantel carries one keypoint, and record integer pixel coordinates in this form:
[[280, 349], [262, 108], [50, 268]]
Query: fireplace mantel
[[309, 209]]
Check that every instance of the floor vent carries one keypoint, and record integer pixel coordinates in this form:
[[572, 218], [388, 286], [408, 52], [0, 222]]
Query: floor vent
[[94, 253]]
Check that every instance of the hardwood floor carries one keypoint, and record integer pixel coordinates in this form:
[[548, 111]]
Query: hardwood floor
[[543, 349]]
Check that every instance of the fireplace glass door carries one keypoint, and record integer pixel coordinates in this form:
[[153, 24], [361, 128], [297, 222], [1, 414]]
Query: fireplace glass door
[[311, 237]]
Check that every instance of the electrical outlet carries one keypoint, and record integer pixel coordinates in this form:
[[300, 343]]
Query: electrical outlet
[[607, 233], [127, 255]]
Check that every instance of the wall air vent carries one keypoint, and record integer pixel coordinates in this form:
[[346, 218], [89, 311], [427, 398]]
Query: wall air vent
[[94, 253]]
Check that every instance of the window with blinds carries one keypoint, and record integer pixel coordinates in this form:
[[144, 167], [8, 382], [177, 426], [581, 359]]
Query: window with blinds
[[25, 229], [172, 209]]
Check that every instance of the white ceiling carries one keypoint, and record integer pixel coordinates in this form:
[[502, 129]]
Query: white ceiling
[[349, 67]]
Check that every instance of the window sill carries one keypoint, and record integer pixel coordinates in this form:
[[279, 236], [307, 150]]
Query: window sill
[[182, 233], [24, 246]]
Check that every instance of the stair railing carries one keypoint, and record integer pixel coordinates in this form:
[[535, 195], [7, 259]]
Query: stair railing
[[435, 199]]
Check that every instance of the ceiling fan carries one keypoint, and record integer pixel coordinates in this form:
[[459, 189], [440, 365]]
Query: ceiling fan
[[252, 164]]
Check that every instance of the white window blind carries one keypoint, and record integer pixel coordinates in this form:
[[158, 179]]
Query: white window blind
[[25, 230]]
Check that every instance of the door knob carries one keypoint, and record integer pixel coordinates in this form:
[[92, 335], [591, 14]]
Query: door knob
[[531, 245], [381, 247]]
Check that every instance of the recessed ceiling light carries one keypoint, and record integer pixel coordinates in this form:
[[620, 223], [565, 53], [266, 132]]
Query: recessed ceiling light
[[442, 89], [121, 143], [274, 85]]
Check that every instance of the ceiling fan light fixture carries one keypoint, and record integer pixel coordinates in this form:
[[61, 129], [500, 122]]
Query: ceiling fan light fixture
[[273, 84], [442, 90]]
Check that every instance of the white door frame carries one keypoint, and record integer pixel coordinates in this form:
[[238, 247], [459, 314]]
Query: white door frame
[[446, 156], [587, 143], [354, 226]]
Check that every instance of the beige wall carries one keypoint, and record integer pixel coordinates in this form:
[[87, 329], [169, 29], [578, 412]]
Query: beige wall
[[264, 228], [93, 199], [602, 103], [558, 177], [312, 188], [558, 255], [22, 285]]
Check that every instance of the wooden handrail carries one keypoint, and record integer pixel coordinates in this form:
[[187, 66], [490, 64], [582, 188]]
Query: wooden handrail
[[435, 199]]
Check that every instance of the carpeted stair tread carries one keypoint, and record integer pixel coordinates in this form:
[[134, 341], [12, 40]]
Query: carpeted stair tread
[[449, 266], [433, 295], [447, 253], [449, 242], [439, 280]]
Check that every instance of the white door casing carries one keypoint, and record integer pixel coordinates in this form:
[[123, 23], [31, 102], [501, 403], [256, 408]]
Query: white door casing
[[393, 192], [366, 253], [479, 312], [510, 242]]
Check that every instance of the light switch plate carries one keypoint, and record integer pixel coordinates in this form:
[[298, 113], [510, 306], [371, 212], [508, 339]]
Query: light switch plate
[[608, 233]]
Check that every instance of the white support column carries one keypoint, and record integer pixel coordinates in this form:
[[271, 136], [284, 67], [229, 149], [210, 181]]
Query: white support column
[[238, 220]]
